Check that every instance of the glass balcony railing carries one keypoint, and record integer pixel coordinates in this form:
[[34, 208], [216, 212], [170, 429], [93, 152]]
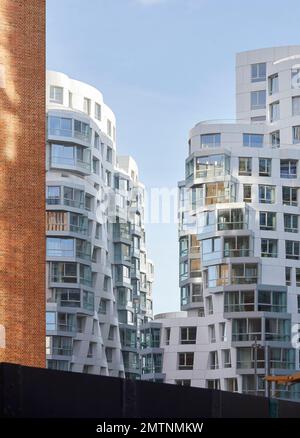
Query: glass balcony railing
[[235, 252]]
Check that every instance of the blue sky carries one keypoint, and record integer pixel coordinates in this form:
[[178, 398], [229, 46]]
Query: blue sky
[[163, 65]]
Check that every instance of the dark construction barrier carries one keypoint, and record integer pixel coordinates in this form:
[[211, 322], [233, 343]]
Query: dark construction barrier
[[39, 393]]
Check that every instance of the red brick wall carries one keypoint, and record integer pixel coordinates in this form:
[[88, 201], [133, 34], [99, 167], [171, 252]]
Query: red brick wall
[[22, 181]]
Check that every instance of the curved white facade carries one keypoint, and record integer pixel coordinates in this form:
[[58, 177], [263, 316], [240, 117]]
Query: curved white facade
[[239, 237], [89, 287]]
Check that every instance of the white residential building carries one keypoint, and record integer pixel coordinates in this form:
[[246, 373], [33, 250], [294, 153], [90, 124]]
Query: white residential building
[[99, 279], [239, 240]]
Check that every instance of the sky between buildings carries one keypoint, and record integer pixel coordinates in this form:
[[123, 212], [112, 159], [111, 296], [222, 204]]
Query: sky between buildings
[[162, 66]]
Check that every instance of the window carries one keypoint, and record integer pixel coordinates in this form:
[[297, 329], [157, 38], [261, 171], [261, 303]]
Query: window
[[212, 165], [96, 166], [56, 94], [244, 273], [296, 134], [268, 247], [266, 194], [109, 354], [258, 99], [216, 276], [267, 220], [183, 270], [50, 321], [245, 166], [222, 331], [226, 358], [232, 219], [195, 267], [273, 84], [292, 250], [247, 197], [60, 247], [211, 333], [188, 335], [275, 139], [183, 382], [296, 105], [70, 99], [239, 301], [288, 276], [297, 277], [295, 78], [167, 335], [246, 329], [265, 166], [183, 246], [88, 300], [253, 140], [53, 195], [82, 131], [209, 305], [213, 360], [288, 168], [68, 297], [213, 384], [272, 301], [185, 361], [274, 112], [197, 293], [290, 196], [97, 111], [109, 154], [277, 330], [185, 295], [258, 72], [210, 140], [103, 306], [108, 178], [87, 105], [291, 223], [60, 126], [109, 128], [211, 249]]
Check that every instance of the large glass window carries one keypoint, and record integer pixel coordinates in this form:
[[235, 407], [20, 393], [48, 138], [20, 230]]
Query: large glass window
[[232, 219], [60, 126], [73, 197], [245, 166], [277, 330], [185, 295], [258, 72], [246, 329], [239, 301], [64, 272], [88, 300], [267, 220], [275, 139], [217, 275], [296, 105], [244, 273], [82, 131], [50, 321], [211, 166], [63, 155], [253, 140], [237, 246], [213, 360], [266, 194], [211, 249], [210, 140], [258, 99], [272, 301], [67, 297], [60, 247], [53, 195]]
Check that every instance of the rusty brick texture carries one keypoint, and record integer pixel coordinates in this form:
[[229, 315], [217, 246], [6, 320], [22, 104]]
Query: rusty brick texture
[[22, 182]]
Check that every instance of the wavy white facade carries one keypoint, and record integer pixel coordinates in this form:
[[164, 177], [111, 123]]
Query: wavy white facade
[[95, 238], [239, 238]]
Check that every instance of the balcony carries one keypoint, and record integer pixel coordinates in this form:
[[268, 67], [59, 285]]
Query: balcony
[[74, 164], [57, 221]]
